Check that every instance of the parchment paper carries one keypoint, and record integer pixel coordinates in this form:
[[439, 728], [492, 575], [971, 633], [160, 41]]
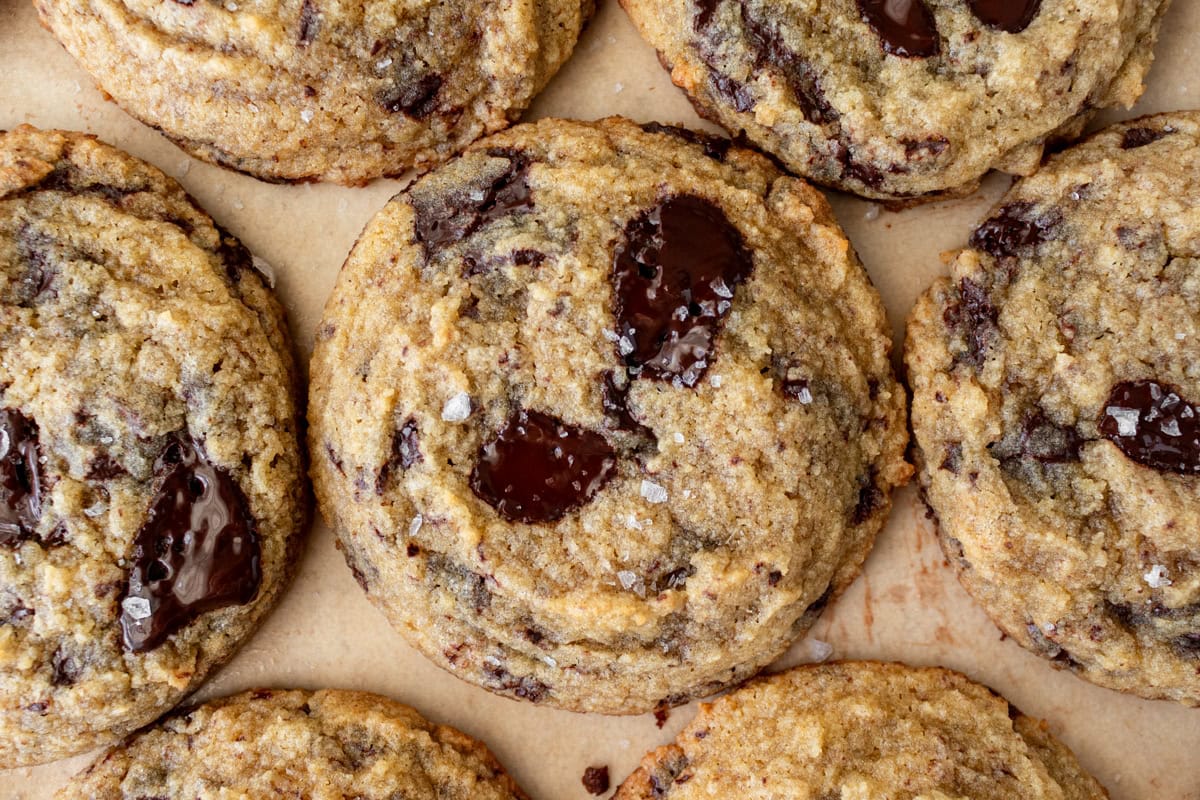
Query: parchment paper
[[907, 606]]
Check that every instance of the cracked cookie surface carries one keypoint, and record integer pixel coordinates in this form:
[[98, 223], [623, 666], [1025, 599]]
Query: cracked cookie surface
[[294, 90], [862, 729], [1054, 377], [322, 745], [618, 419], [151, 499], [847, 94]]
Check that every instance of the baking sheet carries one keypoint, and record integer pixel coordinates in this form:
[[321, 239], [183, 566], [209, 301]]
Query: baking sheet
[[906, 606]]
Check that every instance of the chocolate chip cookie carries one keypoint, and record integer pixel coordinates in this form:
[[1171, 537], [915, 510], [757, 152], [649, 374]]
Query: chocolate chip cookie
[[1055, 386], [900, 100], [150, 468], [604, 416], [302, 90], [271, 743], [862, 729]]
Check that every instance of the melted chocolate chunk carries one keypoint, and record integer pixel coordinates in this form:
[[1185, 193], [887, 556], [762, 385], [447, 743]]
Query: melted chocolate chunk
[[736, 92], [595, 780], [310, 22], [417, 99], [525, 687], [906, 27], [406, 451], [197, 551], [1140, 137], [20, 478], [715, 147], [1039, 439], [1153, 425], [537, 468], [446, 220], [1010, 16], [797, 71], [674, 277], [1014, 230], [975, 318], [704, 13]]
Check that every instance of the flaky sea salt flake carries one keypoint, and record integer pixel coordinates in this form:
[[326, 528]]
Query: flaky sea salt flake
[[1126, 419], [457, 408], [1157, 577], [653, 493]]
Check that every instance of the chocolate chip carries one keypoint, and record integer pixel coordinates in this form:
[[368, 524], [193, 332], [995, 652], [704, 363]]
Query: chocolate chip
[[104, 468], [676, 579], [17, 613], [441, 220], [974, 316], [310, 22], [869, 499], [1140, 137], [65, 669], [38, 268], [797, 72], [196, 552], [615, 400], [662, 713], [20, 478], [1015, 229], [916, 148], [952, 458], [406, 451], [737, 93], [774, 577], [715, 147], [416, 99], [537, 468], [704, 13], [526, 686], [1187, 645], [907, 28], [1010, 16], [595, 780], [1039, 439], [1049, 648], [1153, 425], [674, 276]]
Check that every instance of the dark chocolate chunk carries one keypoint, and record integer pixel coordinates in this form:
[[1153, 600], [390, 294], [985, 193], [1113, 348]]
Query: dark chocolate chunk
[[952, 458], [103, 468], [1153, 425], [1187, 645], [1015, 229], [906, 27], [1140, 137], [675, 579], [537, 468], [406, 451], [715, 147], [736, 92], [65, 670], [1010, 16], [974, 316], [934, 146], [20, 478], [416, 99], [674, 277], [525, 687], [704, 13], [445, 220], [797, 71], [310, 22], [1039, 439], [869, 499], [595, 780], [197, 551], [234, 256]]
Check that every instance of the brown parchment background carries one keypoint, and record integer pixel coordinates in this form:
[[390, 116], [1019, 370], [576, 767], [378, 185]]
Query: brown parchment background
[[906, 606]]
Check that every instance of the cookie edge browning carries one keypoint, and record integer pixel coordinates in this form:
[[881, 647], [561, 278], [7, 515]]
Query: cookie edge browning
[[1022, 160], [924, 322], [84, 782], [642, 783], [263, 302], [260, 166]]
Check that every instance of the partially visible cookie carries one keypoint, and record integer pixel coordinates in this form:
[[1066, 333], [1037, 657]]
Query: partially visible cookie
[[618, 420], [303, 90], [1056, 376], [276, 743], [862, 729], [151, 480], [902, 100]]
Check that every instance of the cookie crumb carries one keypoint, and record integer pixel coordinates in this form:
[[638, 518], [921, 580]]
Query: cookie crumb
[[653, 493], [457, 408], [595, 780]]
